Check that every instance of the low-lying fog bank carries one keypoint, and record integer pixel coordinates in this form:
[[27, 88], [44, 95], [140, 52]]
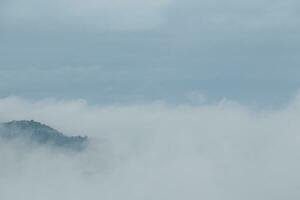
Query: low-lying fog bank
[[155, 151]]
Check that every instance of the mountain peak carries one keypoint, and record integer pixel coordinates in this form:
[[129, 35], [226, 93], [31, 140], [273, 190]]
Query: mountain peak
[[41, 134]]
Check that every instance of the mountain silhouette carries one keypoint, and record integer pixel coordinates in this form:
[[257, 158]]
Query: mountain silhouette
[[41, 134]]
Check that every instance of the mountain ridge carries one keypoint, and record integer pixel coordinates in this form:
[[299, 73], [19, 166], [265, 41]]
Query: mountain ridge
[[41, 134]]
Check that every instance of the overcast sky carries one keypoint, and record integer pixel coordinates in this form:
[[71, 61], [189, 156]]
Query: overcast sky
[[143, 50]]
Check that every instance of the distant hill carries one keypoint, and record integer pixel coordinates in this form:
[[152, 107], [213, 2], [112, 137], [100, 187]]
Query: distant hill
[[41, 134]]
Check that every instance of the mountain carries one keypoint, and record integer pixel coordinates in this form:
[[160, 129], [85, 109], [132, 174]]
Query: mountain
[[41, 134]]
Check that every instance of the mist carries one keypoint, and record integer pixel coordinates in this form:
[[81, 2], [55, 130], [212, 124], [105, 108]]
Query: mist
[[214, 151]]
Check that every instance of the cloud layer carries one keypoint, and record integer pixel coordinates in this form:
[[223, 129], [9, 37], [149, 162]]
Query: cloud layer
[[156, 151], [131, 15], [90, 15]]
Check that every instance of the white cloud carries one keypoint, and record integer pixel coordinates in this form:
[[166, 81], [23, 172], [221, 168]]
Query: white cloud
[[157, 151]]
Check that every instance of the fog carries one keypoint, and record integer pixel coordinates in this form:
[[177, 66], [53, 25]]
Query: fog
[[155, 151]]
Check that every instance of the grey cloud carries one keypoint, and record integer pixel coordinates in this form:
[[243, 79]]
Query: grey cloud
[[236, 49], [90, 15], [132, 15], [235, 15]]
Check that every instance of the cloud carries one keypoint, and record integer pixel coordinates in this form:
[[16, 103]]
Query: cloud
[[133, 15], [90, 15], [156, 151], [233, 15], [252, 26]]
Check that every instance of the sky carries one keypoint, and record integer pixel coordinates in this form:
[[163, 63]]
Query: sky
[[143, 51]]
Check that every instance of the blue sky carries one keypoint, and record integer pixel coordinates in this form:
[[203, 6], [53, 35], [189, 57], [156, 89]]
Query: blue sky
[[128, 51]]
